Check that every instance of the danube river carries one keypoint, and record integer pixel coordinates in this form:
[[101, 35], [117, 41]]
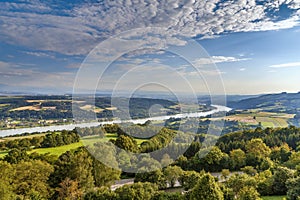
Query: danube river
[[91, 124]]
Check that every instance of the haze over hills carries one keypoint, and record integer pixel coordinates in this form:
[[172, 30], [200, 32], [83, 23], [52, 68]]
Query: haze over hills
[[282, 102]]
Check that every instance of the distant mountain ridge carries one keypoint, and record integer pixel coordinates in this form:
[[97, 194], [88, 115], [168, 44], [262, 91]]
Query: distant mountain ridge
[[282, 102]]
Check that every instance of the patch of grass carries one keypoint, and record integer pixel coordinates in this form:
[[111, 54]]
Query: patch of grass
[[273, 197], [57, 150], [3, 153]]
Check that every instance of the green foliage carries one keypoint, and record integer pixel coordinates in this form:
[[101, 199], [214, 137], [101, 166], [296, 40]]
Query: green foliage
[[104, 175], [258, 148], [156, 177], [225, 173], [264, 183], [172, 174], [167, 196], [16, 155], [281, 154], [64, 138], [189, 179], [6, 181], [69, 189], [212, 160], [294, 160], [249, 170], [293, 186], [192, 150], [240, 184], [206, 189], [249, 193], [281, 175], [237, 158], [126, 143], [102, 193], [137, 191], [31, 178], [76, 165]]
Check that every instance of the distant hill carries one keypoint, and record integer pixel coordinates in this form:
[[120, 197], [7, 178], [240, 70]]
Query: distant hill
[[282, 102]]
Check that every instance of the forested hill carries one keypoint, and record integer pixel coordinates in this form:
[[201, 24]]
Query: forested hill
[[282, 102]]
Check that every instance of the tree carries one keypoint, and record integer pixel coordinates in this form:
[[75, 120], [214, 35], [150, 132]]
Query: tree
[[189, 179], [75, 164], [103, 193], [293, 186], [258, 148], [16, 155], [238, 182], [207, 189], [137, 191], [281, 175], [6, 181], [225, 173], [264, 183], [156, 177], [166, 160], [294, 160], [237, 158], [248, 193], [210, 160], [127, 143], [69, 190], [104, 175], [167, 196], [281, 154], [147, 164], [31, 177], [249, 170], [192, 150], [172, 174]]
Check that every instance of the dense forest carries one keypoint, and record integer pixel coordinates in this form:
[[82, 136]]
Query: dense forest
[[241, 165]]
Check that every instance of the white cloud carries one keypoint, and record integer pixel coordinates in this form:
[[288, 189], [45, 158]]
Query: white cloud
[[285, 65], [75, 30], [39, 54], [242, 69], [218, 59]]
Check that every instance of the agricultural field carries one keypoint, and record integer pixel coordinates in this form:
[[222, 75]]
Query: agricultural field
[[265, 119]]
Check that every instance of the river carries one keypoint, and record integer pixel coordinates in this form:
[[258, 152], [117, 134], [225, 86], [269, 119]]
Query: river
[[91, 124]]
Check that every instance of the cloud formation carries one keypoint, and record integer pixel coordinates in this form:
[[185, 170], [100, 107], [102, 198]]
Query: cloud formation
[[218, 59], [75, 28], [285, 65]]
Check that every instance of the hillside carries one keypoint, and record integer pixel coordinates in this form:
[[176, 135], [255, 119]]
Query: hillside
[[282, 102]]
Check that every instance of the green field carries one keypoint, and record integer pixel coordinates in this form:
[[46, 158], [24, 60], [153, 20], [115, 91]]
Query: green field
[[57, 150], [273, 197], [85, 141]]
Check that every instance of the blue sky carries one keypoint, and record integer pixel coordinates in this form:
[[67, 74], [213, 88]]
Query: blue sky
[[253, 46]]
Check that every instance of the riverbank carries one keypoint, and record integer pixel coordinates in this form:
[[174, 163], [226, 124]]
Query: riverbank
[[11, 132]]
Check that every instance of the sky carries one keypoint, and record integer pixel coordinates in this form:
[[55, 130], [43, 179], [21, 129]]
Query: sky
[[217, 46]]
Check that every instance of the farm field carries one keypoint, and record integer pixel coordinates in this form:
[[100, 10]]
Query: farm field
[[266, 119]]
